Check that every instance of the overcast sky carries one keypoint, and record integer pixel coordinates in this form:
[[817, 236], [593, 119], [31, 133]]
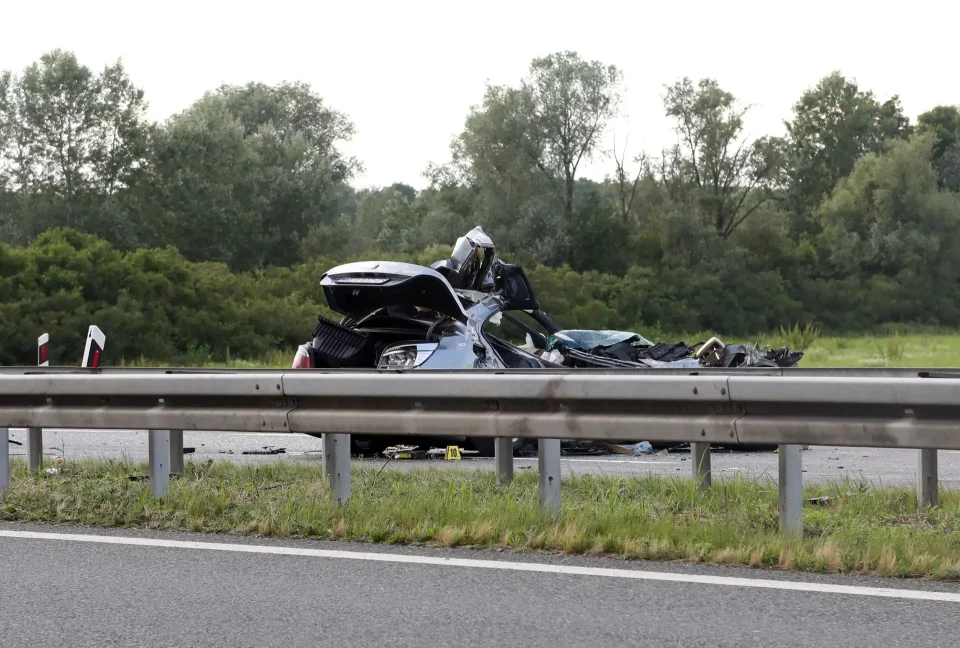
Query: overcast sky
[[407, 72]]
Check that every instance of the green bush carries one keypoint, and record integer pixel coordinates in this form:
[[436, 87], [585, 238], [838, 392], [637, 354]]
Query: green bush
[[150, 303], [154, 306]]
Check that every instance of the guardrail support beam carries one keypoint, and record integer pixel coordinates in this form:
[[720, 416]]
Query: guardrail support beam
[[336, 466], [4, 459], [176, 452], [702, 472], [791, 491], [548, 459], [503, 453], [35, 448], [927, 480], [159, 458]]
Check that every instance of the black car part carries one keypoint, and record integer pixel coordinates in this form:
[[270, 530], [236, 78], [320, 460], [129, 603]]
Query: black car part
[[336, 346]]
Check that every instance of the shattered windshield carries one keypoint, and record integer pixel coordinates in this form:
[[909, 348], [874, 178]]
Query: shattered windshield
[[584, 340]]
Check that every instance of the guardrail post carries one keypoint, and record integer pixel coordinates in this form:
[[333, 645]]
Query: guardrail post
[[4, 459], [702, 473], [35, 448], [503, 453], [927, 486], [336, 466], [159, 453], [176, 452], [791, 491], [548, 458]]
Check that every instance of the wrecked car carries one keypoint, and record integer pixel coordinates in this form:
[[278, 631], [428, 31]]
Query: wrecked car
[[404, 316]]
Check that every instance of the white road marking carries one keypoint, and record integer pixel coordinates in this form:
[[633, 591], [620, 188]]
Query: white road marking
[[731, 581]]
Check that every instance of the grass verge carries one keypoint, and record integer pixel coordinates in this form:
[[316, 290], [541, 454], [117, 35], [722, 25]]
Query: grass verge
[[858, 530]]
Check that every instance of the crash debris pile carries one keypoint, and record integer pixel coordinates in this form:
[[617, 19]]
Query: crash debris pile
[[588, 349], [568, 448]]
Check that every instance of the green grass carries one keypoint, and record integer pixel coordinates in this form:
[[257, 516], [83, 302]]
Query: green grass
[[885, 351], [859, 530]]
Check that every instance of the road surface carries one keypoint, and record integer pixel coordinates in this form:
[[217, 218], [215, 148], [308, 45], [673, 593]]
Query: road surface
[[171, 591], [879, 466]]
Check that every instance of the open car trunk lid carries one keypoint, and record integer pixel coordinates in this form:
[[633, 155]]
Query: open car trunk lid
[[361, 287]]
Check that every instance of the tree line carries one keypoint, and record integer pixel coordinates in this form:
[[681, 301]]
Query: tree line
[[848, 219]]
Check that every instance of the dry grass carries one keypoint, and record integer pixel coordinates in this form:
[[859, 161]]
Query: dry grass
[[860, 530]]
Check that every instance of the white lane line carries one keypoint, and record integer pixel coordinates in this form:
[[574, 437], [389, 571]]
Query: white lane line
[[797, 586]]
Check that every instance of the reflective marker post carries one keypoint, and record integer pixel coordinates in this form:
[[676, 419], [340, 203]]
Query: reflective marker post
[[93, 351], [35, 434]]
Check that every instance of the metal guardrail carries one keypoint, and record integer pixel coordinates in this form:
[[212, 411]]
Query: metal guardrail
[[916, 408]]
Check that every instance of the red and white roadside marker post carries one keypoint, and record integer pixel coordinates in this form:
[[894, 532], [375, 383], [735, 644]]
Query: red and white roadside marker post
[[43, 344], [35, 435], [93, 351]]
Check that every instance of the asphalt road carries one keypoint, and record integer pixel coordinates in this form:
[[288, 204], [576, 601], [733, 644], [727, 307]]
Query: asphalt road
[[55, 592], [879, 466]]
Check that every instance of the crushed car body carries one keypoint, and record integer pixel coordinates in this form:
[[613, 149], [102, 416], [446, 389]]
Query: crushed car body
[[403, 316], [585, 348]]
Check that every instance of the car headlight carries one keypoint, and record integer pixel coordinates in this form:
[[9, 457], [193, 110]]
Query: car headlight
[[406, 356]]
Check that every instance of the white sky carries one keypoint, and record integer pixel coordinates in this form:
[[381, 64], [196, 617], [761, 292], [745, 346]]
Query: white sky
[[407, 72]]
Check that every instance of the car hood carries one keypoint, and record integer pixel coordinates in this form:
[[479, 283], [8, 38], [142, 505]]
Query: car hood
[[361, 287]]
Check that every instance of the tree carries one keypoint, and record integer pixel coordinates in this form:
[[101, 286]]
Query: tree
[[6, 125], [627, 184], [572, 102], [714, 166], [497, 155], [244, 175], [86, 131], [16, 168], [943, 122], [202, 194], [523, 148], [73, 142], [401, 225], [889, 218], [292, 110], [834, 124]]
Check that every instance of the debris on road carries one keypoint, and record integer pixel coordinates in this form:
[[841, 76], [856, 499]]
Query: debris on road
[[404, 452], [414, 452], [267, 450], [644, 447], [584, 448]]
